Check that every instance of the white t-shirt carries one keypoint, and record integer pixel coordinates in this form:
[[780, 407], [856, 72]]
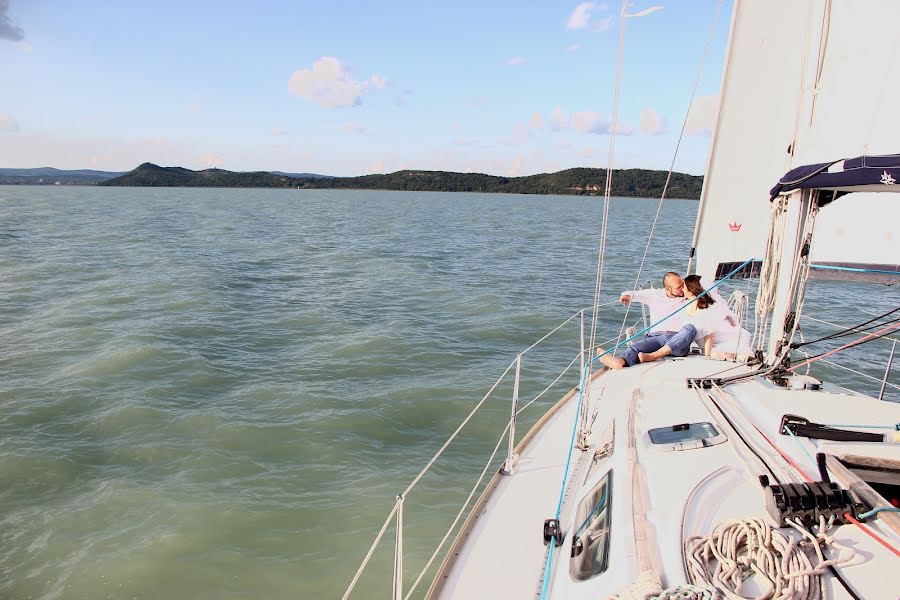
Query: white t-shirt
[[718, 322], [661, 305]]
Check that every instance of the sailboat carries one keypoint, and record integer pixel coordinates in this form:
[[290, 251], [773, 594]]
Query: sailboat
[[700, 478]]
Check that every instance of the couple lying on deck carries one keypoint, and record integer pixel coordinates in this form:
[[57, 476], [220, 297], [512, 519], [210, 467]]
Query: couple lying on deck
[[707, 320]]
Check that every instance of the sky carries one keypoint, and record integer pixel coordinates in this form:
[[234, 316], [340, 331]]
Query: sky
[[498, 87]]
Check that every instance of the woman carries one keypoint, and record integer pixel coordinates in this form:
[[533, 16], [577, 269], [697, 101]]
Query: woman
[[718, 333]]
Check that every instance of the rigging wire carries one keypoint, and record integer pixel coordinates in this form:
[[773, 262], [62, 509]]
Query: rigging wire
[[662, 197], [868, 338], [854, 329]]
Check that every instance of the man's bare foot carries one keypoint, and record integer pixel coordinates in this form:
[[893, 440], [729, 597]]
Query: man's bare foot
[[613, 362], [646, 357]]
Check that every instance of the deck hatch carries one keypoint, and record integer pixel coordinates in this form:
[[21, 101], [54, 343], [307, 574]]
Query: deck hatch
[[590, 540], [685, 436]]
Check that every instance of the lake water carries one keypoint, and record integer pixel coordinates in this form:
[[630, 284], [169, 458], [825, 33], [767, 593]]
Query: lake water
[[218, 393]]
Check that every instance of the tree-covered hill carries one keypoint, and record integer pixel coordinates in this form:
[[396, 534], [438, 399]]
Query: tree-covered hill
[[582, 181]]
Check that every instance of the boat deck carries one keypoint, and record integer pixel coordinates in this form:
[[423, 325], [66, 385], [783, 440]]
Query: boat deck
[[501, 552]]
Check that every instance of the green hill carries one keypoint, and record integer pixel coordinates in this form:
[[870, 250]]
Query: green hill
[[581, 181]]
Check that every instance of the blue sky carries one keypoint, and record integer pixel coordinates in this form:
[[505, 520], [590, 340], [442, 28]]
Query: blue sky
[[500, 87]]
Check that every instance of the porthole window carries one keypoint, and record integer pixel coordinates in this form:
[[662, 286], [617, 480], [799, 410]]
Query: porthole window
[[590, 541], [685, 436]]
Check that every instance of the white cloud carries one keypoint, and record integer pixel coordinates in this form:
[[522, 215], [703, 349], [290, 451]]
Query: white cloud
[[702, 116], [581, 16], [8, 124], [211, 160], [520, 135], [515, 169], [559, 120], [375, 167], [378, 81], [536, 121], [515, 61], [195, 108], [652, 123], [357, 129], [573, 48], [589, 121], [621, 129], [8, 31], [330, 85], [279, 132]]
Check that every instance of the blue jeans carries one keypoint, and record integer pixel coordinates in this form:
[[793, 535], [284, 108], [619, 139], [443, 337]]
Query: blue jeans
[[679, 341]]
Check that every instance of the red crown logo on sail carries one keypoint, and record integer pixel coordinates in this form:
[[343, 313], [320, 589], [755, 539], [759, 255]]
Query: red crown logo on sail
[[735, 226]]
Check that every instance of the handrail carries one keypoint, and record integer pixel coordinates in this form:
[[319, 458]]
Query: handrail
[[549, 387], [459, 514], [560, 326], [397, 579]]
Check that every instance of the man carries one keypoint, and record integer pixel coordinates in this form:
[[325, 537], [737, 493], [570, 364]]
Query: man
[[672, 332]]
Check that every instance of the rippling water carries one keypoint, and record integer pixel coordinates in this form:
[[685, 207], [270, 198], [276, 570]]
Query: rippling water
[[218, 393]]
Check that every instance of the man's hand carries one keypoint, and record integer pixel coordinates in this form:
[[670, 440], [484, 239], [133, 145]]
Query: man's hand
[[625, 299]]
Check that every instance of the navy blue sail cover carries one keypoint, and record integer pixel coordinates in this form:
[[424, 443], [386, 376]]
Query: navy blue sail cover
[[883, 172]]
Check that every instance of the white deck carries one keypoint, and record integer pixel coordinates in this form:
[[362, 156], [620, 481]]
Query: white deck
[[503, 554]]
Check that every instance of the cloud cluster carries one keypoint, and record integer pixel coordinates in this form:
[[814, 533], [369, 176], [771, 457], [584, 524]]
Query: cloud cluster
[[652, 123], [583, 18], [8, 124], [515, 61], [587, 121], [8, 31], [330, 85]]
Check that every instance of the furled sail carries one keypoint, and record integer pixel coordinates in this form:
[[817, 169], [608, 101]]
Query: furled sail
[[795, 92]]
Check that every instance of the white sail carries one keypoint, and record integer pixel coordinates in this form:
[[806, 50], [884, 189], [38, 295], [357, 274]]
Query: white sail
[[819, 105]]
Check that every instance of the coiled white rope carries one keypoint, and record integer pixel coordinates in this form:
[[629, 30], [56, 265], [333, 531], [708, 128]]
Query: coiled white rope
[[738, 549]]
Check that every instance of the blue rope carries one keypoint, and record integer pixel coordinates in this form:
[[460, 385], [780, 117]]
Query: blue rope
[[802, 447], [853, 269], [562, 489], [895, 427], [875, 511]]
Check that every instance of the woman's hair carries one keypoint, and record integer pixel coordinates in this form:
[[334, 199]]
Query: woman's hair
[[692, 283]]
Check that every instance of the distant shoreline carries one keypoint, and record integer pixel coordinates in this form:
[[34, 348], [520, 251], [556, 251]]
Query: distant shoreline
[[632, 183], [641, 183]]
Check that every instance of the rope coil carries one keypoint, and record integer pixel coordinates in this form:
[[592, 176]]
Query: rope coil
[[737, 550]]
